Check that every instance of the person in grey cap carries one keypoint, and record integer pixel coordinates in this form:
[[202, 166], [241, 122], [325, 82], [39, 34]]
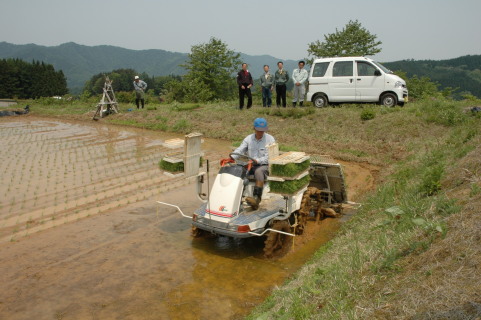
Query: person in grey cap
[[140, 86], [255, 146]]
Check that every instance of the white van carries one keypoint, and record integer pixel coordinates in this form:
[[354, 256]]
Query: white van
[[354, 79]]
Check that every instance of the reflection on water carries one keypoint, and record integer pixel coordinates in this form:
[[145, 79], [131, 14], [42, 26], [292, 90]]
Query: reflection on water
[[143, 264], [230, 276]]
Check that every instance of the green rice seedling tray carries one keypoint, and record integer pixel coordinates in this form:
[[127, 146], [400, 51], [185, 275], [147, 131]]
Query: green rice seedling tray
[[171, 164], [289, 170], [289, 187]]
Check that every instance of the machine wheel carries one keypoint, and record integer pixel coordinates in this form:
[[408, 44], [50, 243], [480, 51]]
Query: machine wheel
[[198, 233], [278, 244], [389, 100], [320, 101]]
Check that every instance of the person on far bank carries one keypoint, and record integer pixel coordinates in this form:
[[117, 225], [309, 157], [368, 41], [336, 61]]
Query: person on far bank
[[280, 79], [299, 76], [267, 85], [140, 86], [245, 82]]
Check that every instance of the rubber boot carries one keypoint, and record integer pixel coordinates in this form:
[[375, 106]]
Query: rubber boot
[[294, 104], [256, 199], [300, 103]]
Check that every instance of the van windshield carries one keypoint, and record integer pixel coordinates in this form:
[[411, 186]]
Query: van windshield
[[383, 68]]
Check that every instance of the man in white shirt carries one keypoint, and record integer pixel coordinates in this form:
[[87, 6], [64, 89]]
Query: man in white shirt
[[254, 145], [300, 77]]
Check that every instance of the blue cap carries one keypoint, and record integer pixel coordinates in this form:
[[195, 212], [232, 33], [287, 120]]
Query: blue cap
[[260, 124]]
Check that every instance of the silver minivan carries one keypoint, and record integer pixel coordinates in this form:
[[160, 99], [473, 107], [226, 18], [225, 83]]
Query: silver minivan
[[354, 79]]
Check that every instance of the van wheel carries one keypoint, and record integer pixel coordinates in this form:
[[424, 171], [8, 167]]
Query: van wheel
[[389, 100], [320, 101]]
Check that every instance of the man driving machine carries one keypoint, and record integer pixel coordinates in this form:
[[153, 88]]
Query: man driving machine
[[254, 146]]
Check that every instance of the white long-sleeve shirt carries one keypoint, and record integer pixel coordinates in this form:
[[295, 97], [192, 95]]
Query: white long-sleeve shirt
[[140, 86], [256, 149], [299, 75]]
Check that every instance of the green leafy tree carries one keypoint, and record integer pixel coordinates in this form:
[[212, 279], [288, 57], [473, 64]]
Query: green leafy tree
[[211, 67], [424, 87], [122, 80], [352, 40]]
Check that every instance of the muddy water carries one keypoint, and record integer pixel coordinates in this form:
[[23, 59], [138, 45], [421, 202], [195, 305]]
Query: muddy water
[[138, 260], [54, 172]]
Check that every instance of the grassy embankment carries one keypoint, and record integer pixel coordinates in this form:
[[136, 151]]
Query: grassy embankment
[[413, 247]]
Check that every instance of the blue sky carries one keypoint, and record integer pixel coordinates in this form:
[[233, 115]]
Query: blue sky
[[422, 29]]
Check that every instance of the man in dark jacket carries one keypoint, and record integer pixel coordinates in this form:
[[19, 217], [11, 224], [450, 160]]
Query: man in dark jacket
[[245, 82], [281, 77]]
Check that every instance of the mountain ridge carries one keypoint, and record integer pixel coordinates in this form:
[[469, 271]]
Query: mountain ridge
[[80, 62]]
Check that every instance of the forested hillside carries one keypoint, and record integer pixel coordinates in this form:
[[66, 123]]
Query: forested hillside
[[79, 63], [463, 72], [24, 80]]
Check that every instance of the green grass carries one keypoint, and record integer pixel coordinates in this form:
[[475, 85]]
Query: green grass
[[185, 106], [402, 218]]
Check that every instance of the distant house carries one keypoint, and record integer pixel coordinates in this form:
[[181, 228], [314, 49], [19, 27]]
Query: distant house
[[7, 102]]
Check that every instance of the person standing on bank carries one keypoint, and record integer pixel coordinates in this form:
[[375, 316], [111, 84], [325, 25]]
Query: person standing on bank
[[267, 85], [245, 82], [299, 76], [140, 86], [281, 78]]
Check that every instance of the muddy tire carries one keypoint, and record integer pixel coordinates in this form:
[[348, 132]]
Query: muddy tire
[[320, 101], [198, 233], [278, 244], [389, 100]]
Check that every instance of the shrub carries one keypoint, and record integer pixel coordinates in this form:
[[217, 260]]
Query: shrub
[[442, 112], [368, 114], [431, 180]]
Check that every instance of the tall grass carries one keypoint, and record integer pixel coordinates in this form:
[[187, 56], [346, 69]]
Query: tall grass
[[401, 218]]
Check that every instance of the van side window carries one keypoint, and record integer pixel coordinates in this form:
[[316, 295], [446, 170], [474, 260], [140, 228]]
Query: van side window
[[342, 69], [320, 69], [365, 69]]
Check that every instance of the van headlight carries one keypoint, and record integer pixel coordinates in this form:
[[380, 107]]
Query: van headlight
[[398, 84]]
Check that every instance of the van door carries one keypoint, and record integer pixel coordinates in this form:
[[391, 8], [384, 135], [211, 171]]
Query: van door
[[342, 84], [317, 82], [369, 82]]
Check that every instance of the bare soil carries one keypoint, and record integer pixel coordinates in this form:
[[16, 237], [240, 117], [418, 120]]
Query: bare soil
[[84, 239]]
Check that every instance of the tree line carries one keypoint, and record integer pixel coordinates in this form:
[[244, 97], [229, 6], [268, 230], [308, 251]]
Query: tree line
[[122, 81], [23, 80]]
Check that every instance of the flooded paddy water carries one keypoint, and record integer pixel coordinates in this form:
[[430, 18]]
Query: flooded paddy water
[[81, 236]]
